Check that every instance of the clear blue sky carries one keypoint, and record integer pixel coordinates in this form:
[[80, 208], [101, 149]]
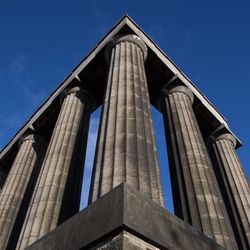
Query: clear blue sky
[[40, 43]]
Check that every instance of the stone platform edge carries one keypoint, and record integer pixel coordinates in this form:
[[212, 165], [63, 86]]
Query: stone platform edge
[[124, 209]]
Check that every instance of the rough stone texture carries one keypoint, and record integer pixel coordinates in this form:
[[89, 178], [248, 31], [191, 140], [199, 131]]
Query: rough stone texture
[[126, 150], [125, 209], [131, 242], [19, 183], [126, 241], [57, 193], [196, 195], [234, 185], [115, 242], [3, 175]]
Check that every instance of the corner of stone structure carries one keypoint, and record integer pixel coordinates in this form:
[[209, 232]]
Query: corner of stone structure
[[124, 218]]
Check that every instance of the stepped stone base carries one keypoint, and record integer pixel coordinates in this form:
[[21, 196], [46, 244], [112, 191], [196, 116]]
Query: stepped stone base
[[124, 219]]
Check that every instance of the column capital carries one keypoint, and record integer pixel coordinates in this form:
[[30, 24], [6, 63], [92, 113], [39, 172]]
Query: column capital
[[77, 89], [80, 91], [224, 136], [167, 90], [127, 38], [32, 137], [182, 89]]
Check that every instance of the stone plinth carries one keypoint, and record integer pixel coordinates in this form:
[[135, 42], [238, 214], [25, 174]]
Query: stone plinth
[[125, 219], [126, 150]]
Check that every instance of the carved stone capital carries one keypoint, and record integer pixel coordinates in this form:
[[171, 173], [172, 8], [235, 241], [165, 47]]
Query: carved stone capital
[[182, 89], [80, 92], [127, 38], [33, 137], [167, 90], [224, 136]]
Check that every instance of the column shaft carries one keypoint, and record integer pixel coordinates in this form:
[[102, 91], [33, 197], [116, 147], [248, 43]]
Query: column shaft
[[126, 150], [19, 185], [196, 196], [234, 185], [57, 193]]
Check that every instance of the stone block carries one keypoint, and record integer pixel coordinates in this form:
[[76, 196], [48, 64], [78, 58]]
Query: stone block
[[124, 219]]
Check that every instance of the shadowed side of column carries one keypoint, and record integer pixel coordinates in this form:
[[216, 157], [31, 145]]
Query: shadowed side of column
[[3, 175]]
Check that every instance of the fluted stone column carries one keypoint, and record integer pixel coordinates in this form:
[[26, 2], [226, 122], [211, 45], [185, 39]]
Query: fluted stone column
[[196, 195], [22, 176], [126, 149], [234, 184], [57, 193]]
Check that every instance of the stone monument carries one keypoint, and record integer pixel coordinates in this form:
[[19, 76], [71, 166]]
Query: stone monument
[[42, 169]]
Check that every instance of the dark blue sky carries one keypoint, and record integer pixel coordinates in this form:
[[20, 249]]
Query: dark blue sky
[[40, 43]]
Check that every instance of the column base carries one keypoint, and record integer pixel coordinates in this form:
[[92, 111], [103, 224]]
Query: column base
[[124, 219]]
